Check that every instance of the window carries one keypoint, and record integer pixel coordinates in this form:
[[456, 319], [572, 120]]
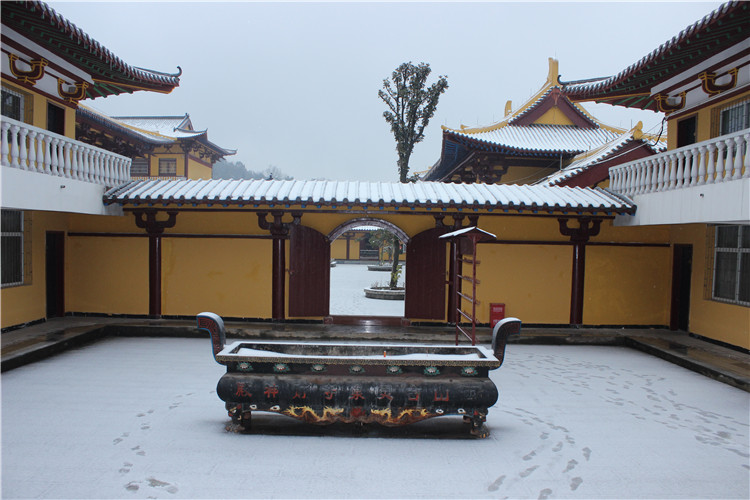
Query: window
[[139, 167], [12, 247], [55, 119], [735, 117], [13, 104], [167, 167], [731, 277]]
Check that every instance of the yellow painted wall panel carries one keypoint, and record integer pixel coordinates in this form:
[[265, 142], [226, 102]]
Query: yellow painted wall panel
[[197, 170], [720, 321], [338, 248], [533, 281], [25, 303], [107, 275], [231, 277], [627, 285]]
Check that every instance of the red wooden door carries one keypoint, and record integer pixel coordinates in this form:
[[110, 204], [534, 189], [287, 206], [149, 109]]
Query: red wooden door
[[309, 272], [425, 276]]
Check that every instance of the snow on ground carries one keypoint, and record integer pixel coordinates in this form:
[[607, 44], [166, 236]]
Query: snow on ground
[[348, 282], [139, 418]]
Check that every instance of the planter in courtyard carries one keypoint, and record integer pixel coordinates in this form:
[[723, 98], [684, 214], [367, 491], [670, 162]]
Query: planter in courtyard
[[385, 293], [380, 267]]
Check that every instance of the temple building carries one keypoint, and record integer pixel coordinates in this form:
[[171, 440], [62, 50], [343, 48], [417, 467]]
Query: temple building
[[543, 136], [160, 146], [593, 226]]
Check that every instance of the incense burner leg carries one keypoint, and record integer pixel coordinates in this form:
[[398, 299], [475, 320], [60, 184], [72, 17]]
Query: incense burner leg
[[241, 415], [478, 429]]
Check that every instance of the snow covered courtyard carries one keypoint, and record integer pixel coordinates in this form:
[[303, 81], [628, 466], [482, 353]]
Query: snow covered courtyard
[[139, 418], [348, 282]]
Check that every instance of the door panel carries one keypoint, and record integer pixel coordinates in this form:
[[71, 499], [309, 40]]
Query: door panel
[[425, 276], [55, 274], [309, 272]]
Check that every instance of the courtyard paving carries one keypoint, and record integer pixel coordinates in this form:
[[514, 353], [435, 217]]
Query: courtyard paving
[[139, 418]]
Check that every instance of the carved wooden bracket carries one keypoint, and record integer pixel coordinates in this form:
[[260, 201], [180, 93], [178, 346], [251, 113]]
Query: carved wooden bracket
[[146, 219], [72, 96], [29, 76], [708, 81], [586, 229], [277, 227], [662, 101]]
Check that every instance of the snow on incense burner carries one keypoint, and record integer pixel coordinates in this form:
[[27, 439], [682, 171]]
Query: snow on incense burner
[[324, 383]]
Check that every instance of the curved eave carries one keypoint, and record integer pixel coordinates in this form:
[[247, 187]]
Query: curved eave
[[509, 150], [722, 28], [41, 24]]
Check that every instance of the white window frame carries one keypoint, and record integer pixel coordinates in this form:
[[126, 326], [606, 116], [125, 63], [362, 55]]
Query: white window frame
[[738, 251]]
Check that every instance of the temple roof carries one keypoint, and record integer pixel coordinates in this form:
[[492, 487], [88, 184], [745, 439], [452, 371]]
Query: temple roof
[[158, 130], [721, 29], [111, 75], [392, 195], [177, 127], [536, 139], [584, 161], [547, 125]]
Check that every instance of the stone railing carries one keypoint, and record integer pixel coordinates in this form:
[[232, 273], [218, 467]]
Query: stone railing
[[717, 160], [37, 150]]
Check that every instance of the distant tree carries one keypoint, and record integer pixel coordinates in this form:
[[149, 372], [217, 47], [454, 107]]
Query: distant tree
[[224, 169], [411, 105]]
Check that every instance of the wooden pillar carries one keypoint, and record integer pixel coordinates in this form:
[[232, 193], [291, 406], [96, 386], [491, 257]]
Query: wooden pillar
[[146, 219], [587, 228], [279, 282], [280, 232]]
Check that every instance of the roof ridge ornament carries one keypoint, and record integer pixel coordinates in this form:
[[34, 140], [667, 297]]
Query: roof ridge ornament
[[553, 74]]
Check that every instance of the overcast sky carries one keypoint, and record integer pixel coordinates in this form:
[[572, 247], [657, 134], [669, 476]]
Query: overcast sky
[[295, 84]]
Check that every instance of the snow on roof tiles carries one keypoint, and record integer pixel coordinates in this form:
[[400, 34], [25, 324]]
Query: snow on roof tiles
[[563, 138], [396, 195]]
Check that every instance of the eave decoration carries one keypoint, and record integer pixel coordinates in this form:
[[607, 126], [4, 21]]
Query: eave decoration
[[710, 87], [29, 76], [74, 95], [664, 104]]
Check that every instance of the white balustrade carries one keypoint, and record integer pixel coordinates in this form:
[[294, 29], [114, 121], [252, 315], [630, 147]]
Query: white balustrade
[[30, 148], [717, 160]]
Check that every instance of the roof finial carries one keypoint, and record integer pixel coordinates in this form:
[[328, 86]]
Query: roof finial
[[553, 77], [637, 131], [508, 108]]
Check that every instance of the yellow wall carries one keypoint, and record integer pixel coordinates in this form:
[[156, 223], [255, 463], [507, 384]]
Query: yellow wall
[[26, 303], [712, 319], [627, 285], [231, 277], [706, 127], [160, 153], [338, 249], [107, 275], [197, 170], [37, 116], [533, 281]]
